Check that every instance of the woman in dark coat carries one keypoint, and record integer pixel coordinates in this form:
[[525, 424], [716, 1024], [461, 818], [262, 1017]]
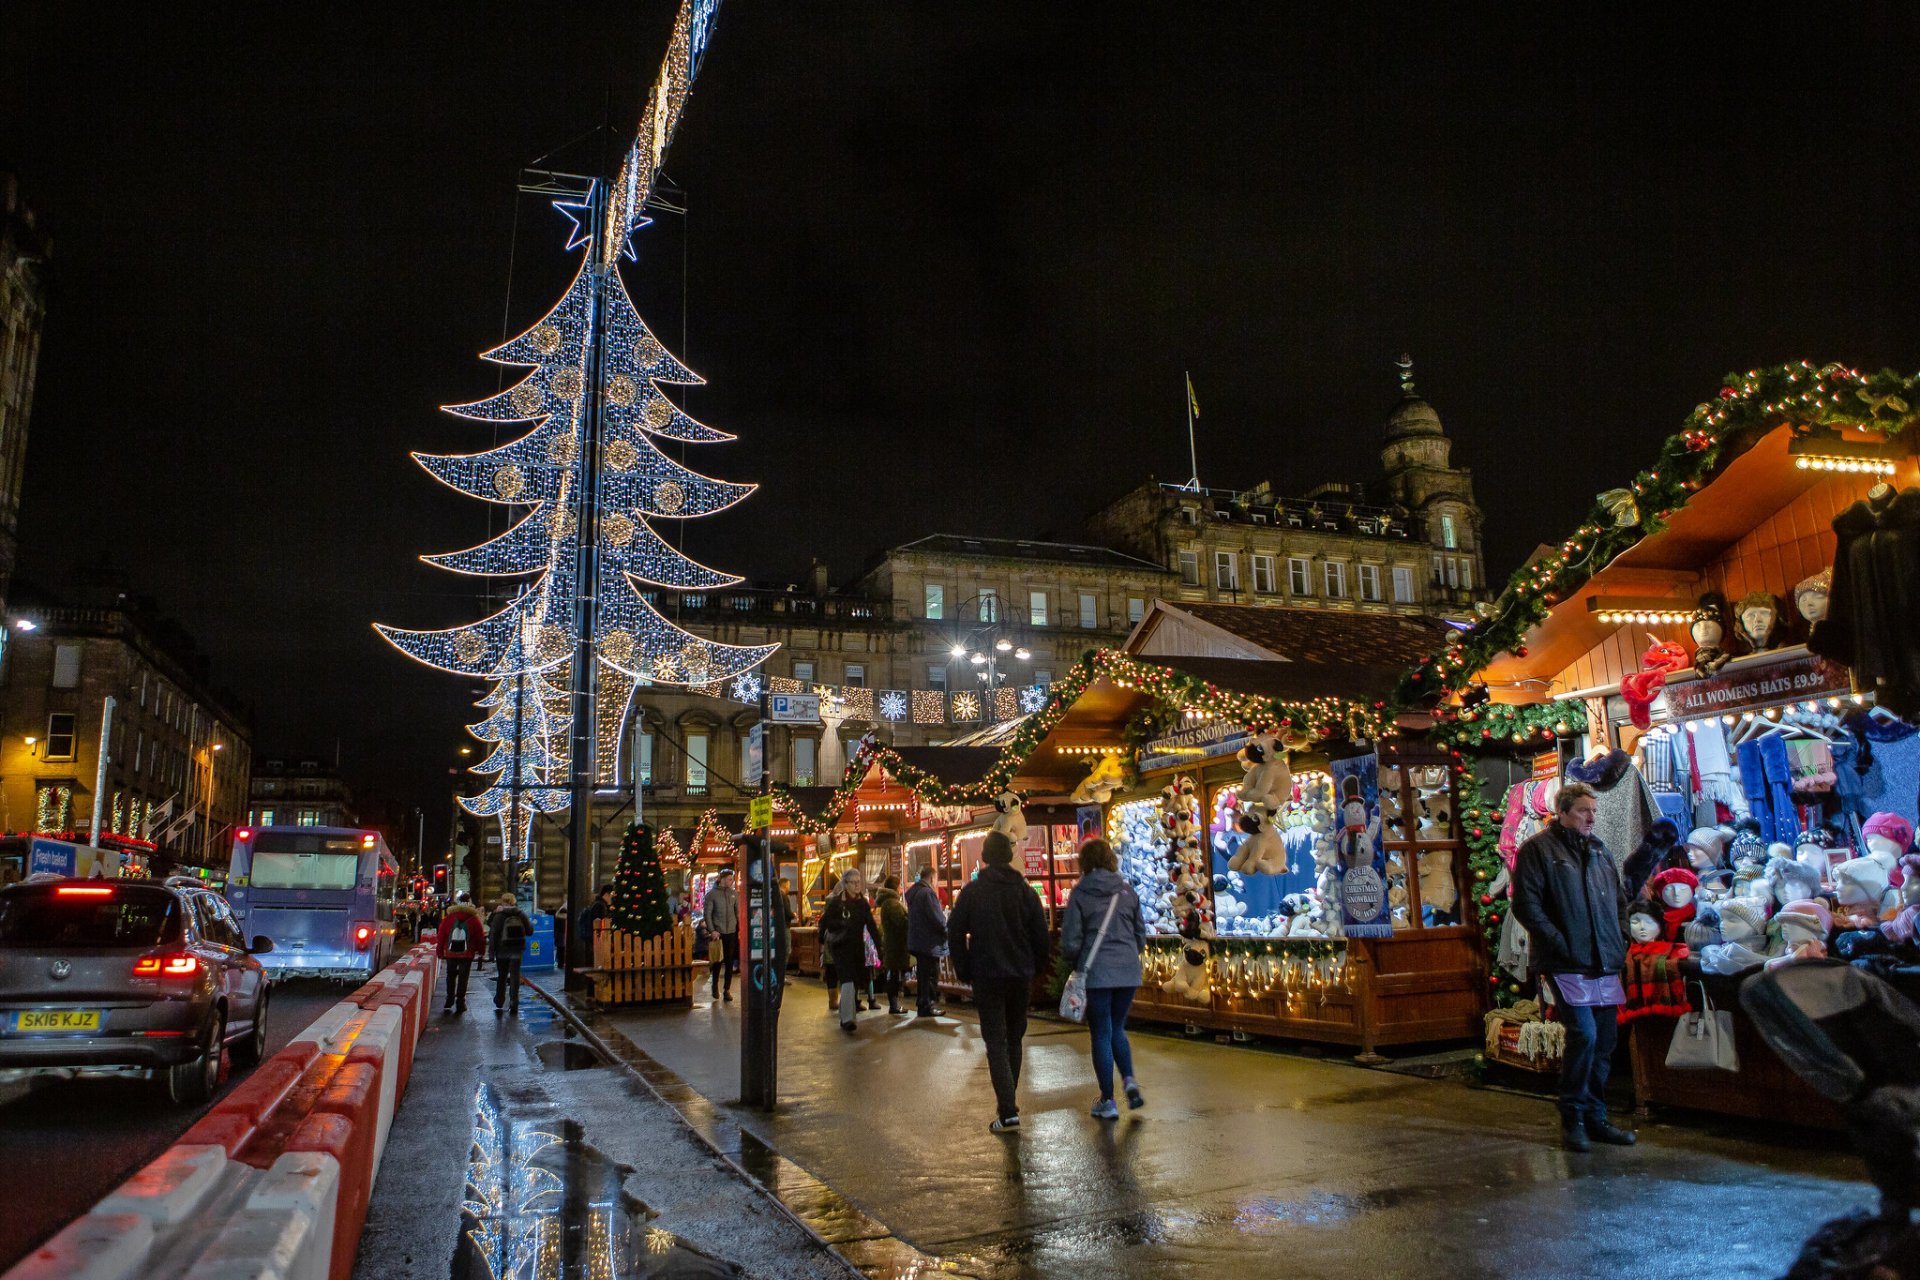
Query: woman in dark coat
[[893, 941], [846, 922]]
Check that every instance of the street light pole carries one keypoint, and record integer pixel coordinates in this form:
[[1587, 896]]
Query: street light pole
[[760, 1033]]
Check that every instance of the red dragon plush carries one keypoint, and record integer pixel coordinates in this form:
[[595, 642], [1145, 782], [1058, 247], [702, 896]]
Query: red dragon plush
[[1643, 686]]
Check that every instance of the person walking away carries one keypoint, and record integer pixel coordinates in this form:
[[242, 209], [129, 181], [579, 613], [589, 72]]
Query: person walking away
[[723, 922], [601, 908], [893, 940], [507, 934], [846, 925], [463, 932], [1568, 894], [1102, 899], [998, 933], [926, 942]]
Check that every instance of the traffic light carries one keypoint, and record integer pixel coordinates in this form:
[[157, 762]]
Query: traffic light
[[440, 878]]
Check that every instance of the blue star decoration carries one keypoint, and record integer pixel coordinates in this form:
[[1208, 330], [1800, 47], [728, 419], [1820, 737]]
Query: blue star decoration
[[581, 217]]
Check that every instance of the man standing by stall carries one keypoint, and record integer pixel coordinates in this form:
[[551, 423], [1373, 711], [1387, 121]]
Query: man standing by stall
[[723, 922], [1567, 892], [926, 940]]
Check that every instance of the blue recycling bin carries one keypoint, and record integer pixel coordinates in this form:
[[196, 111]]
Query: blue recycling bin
[[540, 949]]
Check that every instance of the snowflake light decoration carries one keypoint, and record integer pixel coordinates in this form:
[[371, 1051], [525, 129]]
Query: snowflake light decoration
[[746, 688], [1032, 698], [966, 706], [893, 704]]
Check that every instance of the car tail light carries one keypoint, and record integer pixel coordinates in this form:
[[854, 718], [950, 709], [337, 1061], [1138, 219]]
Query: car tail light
[[83, 891], [176, 964], [362, 935]]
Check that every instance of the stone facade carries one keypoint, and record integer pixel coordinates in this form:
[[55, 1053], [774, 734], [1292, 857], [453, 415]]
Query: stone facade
[[1418, 553], [172, 736], [304, 793], [24, 247]]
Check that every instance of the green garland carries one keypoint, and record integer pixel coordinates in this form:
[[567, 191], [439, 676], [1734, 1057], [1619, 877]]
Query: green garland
[[1480, 827], [1497, 725], [1747, 407], [1172, 692]]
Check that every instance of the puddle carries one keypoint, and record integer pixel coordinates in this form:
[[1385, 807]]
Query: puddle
[[567, 1055], [542, 1203]]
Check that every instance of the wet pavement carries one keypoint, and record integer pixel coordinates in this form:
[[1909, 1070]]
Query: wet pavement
[[1245, 1162], [517, 1152]]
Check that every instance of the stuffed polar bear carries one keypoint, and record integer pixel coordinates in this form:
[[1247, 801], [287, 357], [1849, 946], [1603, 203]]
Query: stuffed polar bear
[[1263, 852], [1189, 980], [1098, 787], [1269, 781], [1012, 822]]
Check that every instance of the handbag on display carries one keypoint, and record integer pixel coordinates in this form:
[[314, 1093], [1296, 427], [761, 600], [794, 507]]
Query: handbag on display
[[1703, 1041], [1073, 996]]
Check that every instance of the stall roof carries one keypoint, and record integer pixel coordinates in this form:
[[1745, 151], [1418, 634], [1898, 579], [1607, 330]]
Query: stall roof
[[1180, 632], [1300, 681], [953, 765]]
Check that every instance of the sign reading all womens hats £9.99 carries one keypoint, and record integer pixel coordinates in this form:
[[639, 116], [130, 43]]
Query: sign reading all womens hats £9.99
[[1364, 911], [1795, 677]]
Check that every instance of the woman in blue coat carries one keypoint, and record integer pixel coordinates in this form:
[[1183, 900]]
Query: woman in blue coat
[[1113, 969]]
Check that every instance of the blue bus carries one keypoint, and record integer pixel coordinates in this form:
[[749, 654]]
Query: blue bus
[[323, 894]]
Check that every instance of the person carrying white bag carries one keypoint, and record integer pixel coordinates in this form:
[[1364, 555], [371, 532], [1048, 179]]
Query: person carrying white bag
[[1100, 939]]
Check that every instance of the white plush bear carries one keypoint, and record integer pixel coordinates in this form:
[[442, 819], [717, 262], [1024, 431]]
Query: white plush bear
[[1012, 822], [1439, 891], [1263, 852], [1098, 787], [1269, 782], [1189, 980]]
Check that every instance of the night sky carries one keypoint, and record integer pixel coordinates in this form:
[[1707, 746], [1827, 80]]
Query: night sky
[[944, 266]]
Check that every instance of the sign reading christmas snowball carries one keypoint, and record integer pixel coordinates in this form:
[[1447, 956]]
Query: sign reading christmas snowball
[[1364, 908], [793, 708]]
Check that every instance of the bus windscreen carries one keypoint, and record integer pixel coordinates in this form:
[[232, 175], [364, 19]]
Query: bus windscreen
[[285, 860]]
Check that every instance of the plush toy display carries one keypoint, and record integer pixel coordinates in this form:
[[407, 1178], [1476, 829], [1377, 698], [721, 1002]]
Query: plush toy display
[[1187, 875], [1098, 787], [1674, 890], [1799, 932], [1655, 987], [1263, 852], [1012, 822], [1269, 782], [1743, 939], [1189, 980]]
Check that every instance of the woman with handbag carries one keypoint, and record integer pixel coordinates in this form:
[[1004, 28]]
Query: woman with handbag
[[1100, 938], [846, 929]]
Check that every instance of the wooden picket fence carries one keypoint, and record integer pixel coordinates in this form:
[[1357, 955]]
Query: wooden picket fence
[[630, 970]]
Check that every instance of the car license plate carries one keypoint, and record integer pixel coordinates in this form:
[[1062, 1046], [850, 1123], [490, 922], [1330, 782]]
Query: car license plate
[[31, 1020]]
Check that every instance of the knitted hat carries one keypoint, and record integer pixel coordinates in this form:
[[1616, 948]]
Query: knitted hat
[[1866, 874], [1791, 879], [996, 850], [1708, 840], [1817, 837], [1891, 826], [1670, 876], [1808, 913], [1741, 911]]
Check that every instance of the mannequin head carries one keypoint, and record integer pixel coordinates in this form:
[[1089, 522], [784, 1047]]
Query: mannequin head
[[1815, 851], [1643, 923], [1802, 923], [1791, 880], [1677, 893], [1741, 920], [1888, 835], [1703, 848], [1860, 884]]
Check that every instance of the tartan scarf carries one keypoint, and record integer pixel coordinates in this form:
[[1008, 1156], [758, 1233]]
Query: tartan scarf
[[1654, 985]]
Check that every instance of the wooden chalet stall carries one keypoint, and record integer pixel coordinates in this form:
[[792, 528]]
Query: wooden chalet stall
[[1708, 566], [829, 830]]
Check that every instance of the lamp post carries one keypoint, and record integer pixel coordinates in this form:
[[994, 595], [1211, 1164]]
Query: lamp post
[[983, 647]]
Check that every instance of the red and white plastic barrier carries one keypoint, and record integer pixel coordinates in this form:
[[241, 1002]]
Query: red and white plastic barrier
[[273, 1183]]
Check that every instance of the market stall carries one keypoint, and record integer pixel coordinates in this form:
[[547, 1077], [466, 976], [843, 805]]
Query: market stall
[[1685, 652]]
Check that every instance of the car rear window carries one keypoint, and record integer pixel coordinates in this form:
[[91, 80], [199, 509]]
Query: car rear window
[[124, 917]]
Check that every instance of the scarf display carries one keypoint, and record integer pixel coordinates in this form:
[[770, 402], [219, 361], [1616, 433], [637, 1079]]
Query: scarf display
[[1655, 987]]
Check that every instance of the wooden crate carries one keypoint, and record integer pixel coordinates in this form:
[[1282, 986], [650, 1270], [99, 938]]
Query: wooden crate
[[629, 970]]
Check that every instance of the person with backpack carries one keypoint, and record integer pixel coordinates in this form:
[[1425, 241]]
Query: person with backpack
[[507, 935], [998, 932], [463, 932], [1102, 933]]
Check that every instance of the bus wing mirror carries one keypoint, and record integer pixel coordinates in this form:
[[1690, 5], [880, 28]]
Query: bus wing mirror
[[261, 945]]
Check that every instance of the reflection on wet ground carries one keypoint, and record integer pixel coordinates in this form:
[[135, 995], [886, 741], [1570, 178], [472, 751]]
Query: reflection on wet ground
[[543, 1204]]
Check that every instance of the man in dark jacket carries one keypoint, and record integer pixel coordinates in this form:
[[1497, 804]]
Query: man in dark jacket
[[1567, 892], [507, 932], [998, 933], [926, 940]]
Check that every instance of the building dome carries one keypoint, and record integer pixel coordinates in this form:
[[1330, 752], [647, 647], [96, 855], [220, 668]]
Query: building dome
[[1413, 417]]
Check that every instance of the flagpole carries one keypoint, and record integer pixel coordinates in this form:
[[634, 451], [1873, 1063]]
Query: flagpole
[[1193, 452]]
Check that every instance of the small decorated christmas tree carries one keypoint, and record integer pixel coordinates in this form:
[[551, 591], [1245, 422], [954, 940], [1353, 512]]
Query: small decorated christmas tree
[[639, 889]]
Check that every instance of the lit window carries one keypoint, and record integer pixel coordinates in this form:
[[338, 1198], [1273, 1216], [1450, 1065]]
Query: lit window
[[697, 762], [1037, 608], [803, 758], [1369, 582], [803, 672], [1299, 576], [1448, 538], [1466, 574], [936, 601], [857, 674], [266, 818], [1453, 572], [1439, 569], [1402, 584], [1136, 608], [989, 605], [1226, 571], [1089, 610], [1336, 576], [1189, 568], [1263, 575]]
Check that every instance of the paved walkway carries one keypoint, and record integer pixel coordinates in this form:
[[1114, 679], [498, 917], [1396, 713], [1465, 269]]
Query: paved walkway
[[1244, 1163], [516, 1150]]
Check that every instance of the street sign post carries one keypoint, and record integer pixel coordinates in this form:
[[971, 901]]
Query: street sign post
[[760, 1033], [756, 757], [793, 708]]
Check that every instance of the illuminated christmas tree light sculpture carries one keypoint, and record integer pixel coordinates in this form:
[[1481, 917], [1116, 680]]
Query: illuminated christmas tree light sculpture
[[589, 484]]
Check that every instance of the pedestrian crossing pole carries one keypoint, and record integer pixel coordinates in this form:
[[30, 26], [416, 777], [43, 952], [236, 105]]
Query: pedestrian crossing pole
[[759, 1036]]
